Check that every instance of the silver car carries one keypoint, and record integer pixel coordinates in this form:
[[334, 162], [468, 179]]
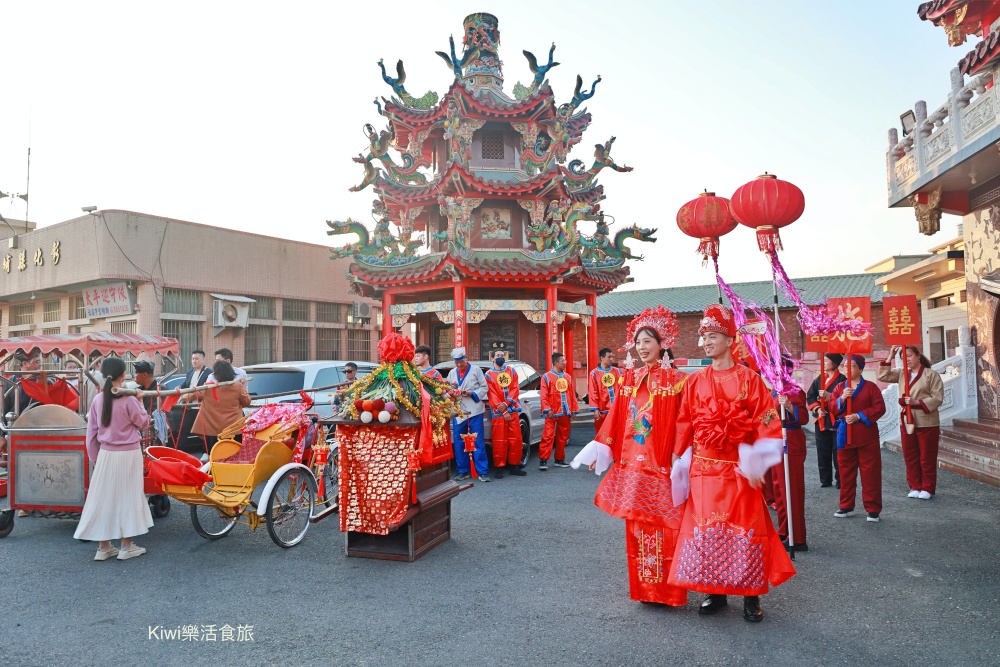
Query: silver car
[[293, 376], [531, 419]]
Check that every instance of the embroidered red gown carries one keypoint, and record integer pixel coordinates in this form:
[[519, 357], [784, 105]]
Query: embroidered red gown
[[727, 544], [640, 431]]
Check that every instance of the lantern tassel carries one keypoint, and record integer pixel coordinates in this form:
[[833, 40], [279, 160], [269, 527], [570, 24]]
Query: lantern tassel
[[708, 247], [768, 239]]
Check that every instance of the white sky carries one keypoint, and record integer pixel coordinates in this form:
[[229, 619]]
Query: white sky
[[246, 114]]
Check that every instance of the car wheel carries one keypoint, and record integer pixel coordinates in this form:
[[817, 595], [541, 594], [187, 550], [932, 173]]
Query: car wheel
[[525, 441]]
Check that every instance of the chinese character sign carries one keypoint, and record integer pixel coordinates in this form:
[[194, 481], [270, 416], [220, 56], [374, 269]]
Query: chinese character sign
[[855, 308], [109, 300], [902, 320], [817, 343]]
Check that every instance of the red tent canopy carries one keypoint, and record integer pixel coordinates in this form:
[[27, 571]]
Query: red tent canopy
[[86, 343]]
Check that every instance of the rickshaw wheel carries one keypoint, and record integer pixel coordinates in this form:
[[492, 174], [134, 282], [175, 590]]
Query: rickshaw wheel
[[331, 480], [290, 506], [212, 522], [6, 522], [159, 505]]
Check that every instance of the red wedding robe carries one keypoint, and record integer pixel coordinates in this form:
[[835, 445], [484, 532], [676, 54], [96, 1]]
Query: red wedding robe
[[640, 430], [727, 544]]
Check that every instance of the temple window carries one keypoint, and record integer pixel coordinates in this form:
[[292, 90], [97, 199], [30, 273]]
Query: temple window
[[492, 145]]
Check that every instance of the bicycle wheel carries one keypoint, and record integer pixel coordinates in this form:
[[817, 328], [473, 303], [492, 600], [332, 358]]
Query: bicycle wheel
[[213, 522], [290, 506]]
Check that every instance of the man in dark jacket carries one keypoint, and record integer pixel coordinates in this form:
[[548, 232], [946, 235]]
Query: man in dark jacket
[[826, 435]]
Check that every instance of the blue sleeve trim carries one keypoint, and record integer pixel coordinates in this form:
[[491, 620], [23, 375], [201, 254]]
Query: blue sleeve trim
[[864, 418], [474, 397]]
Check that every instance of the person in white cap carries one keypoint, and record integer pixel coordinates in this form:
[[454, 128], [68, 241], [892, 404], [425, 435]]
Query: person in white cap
[[470, 385]]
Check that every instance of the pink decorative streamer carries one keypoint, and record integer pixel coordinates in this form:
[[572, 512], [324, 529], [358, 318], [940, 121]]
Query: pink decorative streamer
[[814, 319], [768, 359]]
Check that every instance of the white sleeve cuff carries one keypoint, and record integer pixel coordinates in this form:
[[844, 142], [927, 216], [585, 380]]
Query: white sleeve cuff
[[680, 477], [595, 454], [761, 456]]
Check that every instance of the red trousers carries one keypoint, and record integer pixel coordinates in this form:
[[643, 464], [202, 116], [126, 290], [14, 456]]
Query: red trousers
[[869, 459], [920, 452], [796, 472], [768, 488], [599, 421], [556, 431], [505, 437]]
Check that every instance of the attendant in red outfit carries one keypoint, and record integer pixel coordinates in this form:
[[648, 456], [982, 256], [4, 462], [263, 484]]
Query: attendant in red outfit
[[729, 433], [638, 436], [503, 400], [920, 448], [863, 451], [796, 416], [558, 406], [603, 387]]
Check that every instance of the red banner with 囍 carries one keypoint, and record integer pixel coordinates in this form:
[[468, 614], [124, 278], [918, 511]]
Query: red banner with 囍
[[902, 320], [855, 308]]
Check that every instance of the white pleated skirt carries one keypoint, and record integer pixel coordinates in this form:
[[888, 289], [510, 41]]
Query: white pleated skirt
[[116, 506]]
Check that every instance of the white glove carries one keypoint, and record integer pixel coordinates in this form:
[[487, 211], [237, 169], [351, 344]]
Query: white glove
[[758, 458], [680, 478], [595, 454]]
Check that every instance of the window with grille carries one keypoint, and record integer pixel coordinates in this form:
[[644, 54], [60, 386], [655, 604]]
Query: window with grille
[[52, 311], [181, 301], [492, 145], [444, 341], [264, 308], [259, 344], [359, 344], [128, 327], [329, 312], [295, 310], [23, 314], [79, 308], [294, 343], [53, 330], [328, 343], [188, 335]]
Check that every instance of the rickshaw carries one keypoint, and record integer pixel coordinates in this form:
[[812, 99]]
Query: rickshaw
[[48, 471], [284, 453]]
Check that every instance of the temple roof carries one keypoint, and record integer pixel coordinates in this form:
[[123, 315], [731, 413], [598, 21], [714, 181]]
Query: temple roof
[[488, 104], [456, 179], [936, 9], [985, 53]]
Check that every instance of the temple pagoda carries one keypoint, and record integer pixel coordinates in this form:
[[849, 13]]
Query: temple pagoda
[[484, 236]]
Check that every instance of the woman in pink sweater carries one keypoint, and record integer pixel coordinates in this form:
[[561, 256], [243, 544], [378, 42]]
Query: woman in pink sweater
[[116, 507]]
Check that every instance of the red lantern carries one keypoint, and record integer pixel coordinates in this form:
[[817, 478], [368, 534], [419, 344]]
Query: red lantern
[[706, 218], [767, 204]]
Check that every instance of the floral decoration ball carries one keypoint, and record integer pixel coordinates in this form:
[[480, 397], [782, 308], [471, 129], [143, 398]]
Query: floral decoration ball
[[384, 417], [366, 417], [359, 404], [390, 407], [367, 405], [377, 405]]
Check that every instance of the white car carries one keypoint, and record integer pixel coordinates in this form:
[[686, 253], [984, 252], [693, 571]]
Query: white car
[[292, 377], [531, 419]]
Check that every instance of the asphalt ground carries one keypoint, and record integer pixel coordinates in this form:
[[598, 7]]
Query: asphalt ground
[[534, 575]]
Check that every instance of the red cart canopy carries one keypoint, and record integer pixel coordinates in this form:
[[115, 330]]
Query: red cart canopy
[[97, 341]]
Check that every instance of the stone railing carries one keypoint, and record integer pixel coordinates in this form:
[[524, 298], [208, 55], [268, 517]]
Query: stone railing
[[969, 112], [959, 376]]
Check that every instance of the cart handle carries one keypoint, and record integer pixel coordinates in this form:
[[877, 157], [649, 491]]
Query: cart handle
[[49, 429]]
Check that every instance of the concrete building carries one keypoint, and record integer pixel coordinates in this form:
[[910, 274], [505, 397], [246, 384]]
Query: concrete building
[[267, 299]]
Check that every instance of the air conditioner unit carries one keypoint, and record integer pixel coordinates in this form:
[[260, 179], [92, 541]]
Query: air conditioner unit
[[230, 314], [362, 310]]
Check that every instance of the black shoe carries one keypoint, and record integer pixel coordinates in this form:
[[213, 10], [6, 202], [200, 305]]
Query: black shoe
[[543, 464], [838, 485], [752, 613], [561, 464], [797, 547], [498, 472], [461, 476], [825, 485], [514, 471], [712, 604]]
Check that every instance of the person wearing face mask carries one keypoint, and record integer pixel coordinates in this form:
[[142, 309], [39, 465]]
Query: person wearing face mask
[[503, 400], [920, 447], [858, 446], [636, 441], [728, 435]]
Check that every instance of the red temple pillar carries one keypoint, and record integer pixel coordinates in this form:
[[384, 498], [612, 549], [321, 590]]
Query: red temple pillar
[[551, 325], [568, 326], [387, 301], [592, 359], [459, 315]]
